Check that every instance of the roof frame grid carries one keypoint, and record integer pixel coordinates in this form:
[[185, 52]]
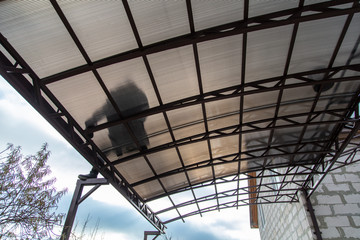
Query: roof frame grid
[[152, 78], [32, 93], [328, 153]]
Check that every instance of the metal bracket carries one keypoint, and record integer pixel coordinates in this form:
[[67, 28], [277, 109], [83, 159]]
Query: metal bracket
[[77, 199], [146, 233]]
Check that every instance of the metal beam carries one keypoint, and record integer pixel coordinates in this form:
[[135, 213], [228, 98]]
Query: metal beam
[[289, 16], [76, 200], [311, 211], [256, 87], [69, 129]]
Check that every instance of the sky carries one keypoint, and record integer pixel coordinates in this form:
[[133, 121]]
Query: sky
[[22, 126]]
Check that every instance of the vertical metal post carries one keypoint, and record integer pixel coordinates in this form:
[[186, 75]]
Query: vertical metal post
[[77, 199], [312, 216], [72, 211], [156, 233]]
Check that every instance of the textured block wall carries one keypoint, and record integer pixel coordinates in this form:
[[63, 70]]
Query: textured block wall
[[337, 204], [284, 222]]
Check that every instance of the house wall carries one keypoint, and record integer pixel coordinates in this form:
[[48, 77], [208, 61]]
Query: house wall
[[336, 204]]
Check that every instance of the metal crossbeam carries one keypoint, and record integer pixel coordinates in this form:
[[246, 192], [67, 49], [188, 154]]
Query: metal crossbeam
[[287, 17], [32, 93]]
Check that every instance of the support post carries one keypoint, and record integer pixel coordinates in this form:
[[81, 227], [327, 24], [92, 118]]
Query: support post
[[312, 216], [76, 200], [146, 233]]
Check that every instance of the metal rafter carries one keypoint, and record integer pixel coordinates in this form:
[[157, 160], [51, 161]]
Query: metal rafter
[[321, 156], [69, 129], [249, 127], [255, 87], [272, 20]]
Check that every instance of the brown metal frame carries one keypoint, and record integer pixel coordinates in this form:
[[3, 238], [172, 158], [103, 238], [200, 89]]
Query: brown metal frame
[[330, 153]]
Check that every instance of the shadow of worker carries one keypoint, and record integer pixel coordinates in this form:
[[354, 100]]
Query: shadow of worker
[[130, 100]]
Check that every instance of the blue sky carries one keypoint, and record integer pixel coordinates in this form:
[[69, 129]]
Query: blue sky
[[23, 126]]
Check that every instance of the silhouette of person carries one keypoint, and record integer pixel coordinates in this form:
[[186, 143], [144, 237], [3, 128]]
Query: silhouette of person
[[130, 100]]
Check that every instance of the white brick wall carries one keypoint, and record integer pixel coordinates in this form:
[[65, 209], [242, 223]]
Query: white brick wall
[[336, 205]]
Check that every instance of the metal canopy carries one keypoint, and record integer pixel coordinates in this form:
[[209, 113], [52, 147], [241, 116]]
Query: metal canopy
[[180, 103]]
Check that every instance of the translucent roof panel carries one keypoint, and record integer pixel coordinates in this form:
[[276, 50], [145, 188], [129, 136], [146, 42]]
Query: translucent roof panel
[[175, 74], [48, 47], [165, 161], [132, 71], [102, 27], [213, 13], [84, 99], [130, 170], [184, 102], [257, 8], [312, 46], [267, 59], [195, 153], [220, 62], [159, 20], [187, 121]]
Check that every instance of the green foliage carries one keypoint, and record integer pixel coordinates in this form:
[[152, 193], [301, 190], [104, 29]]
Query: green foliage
[[28, 198]]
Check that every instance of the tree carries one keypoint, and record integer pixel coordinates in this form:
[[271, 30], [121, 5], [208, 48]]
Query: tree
[[28, 198]]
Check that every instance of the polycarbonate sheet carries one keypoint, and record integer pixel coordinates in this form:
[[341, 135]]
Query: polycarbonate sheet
[[223, 113], [188, 209], [295, 108], [343, 88], [159, 20], [156, 130], [135, 170], [149, 190], [182, 197], [164, 161], [38, 35], [227, 186], [188, 131], [159, 204], [318, 132], [253, 101], [257, 8], [267, 52], [313, 48], [220, 62], [223, 122], [224, 146], [254, 115], [228, 199], [131, 71], [169, 215], [207, 204], [213, 13], [185, 116], [175, 181], [101, 26], [175, 73], [186, 121], [298, 94], [102, 140], [255, 140], [347, 53], [289, 135], [226, 169], [200, 175], [194, 153], [83, 98], [333, 103]]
